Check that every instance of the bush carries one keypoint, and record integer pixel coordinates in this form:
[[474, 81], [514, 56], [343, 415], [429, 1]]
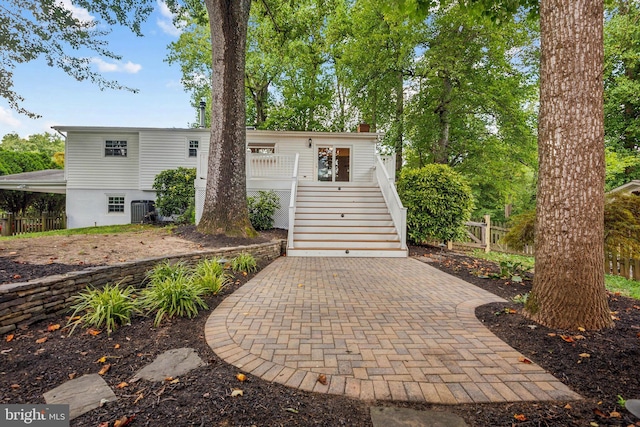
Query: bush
[[438, 203], [109, 306], [521, 231], [621, 225], [262, 208], [175, 193]]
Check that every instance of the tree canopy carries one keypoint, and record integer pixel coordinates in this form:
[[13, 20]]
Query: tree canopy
[[48, 29]]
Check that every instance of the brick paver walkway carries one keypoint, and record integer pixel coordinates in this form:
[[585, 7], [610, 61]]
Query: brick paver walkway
[[378, 328]]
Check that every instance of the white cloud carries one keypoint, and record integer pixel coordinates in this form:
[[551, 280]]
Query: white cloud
[[7, 119], [165, 22], [116, 67], [79, 13]]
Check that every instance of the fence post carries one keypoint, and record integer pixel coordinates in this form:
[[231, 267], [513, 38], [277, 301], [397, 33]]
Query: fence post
[[12, 226], [487, 233], [43, 225]]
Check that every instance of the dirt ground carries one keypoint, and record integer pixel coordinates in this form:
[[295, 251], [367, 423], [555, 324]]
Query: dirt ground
[[24, 259], [29, 366]]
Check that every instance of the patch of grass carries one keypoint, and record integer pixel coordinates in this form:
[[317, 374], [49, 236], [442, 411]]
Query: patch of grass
[[626, 287], [527, 262], [244, 262], [110, 306], [107, 229]]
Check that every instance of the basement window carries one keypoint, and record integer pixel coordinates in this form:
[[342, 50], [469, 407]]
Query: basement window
[[113, 148], [115, 204]]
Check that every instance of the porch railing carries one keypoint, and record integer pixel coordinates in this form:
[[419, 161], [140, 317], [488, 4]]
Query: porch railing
[[270, 166], [396, 209], [292, 201], [390, 165], [259, 166]]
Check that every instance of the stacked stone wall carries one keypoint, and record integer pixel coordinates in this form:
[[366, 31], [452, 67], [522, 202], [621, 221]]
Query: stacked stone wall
[[22, 304]]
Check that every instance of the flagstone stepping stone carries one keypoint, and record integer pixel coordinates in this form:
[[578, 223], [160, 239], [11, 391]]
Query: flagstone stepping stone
[[399, 417], [172, 363], [633, 406], [81, 394]]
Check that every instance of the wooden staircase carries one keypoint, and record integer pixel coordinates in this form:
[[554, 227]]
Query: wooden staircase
[[343, 219]]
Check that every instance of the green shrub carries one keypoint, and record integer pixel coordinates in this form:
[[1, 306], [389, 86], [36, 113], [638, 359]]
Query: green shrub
[[621, 225], [175, 193], [173, 295], [244, 262], [521, 231], [438, 202], [262, 208], [209, 275], [109, 306]]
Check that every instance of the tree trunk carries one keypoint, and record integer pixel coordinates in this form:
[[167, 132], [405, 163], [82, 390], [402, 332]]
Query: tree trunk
[[441, 152], [225, 205], [399, 119], [568, 289]]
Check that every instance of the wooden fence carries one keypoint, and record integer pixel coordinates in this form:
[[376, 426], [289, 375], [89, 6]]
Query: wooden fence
[[13, 225], [487, 236]]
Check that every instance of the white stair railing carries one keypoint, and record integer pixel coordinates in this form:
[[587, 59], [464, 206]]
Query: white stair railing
[[292, 201], [396, 209]]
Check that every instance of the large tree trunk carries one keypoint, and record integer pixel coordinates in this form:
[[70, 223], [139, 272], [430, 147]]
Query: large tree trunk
[[399, 119], [441, 152], [225, 205], [568, 289]]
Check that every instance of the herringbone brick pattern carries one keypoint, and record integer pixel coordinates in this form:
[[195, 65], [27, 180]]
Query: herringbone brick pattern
[[378, 328]]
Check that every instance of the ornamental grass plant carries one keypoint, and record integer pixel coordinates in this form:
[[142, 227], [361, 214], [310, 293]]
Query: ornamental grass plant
[[244, 262], [108, 307], [209, 274], [172, 295]]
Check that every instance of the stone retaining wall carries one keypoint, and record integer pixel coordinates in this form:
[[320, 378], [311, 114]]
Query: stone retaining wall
[[25, 303]]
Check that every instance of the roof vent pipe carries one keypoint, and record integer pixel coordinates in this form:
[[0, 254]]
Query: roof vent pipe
[[202, 116]]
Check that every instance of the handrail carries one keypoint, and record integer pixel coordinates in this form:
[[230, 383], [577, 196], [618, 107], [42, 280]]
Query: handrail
[[396, 209], [292, 201]]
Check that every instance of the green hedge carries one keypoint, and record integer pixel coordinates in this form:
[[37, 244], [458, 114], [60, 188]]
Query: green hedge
[[438, 202]]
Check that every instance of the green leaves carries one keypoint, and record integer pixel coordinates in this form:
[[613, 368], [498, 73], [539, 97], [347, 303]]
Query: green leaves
[[175, 192], [262, 208], [438, 202], [107, 307]]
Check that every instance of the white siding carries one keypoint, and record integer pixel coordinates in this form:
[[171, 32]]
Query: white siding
[[87, 167], [363, 146], [88, 208], [167, 149]]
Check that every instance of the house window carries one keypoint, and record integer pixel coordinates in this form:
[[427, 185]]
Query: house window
[[113, 148], [115, 204], [262, 147], [193, 148]]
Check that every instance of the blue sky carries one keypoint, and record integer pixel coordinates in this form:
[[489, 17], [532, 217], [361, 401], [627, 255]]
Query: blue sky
[[61, 100]]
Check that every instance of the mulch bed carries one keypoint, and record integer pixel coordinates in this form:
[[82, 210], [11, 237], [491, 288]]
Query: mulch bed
[[202, 397]]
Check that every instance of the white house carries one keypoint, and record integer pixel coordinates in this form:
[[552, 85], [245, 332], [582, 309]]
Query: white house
[[337, 194]]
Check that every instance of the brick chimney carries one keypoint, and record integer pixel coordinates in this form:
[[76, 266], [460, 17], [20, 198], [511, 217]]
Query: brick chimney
[[363, 127]]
